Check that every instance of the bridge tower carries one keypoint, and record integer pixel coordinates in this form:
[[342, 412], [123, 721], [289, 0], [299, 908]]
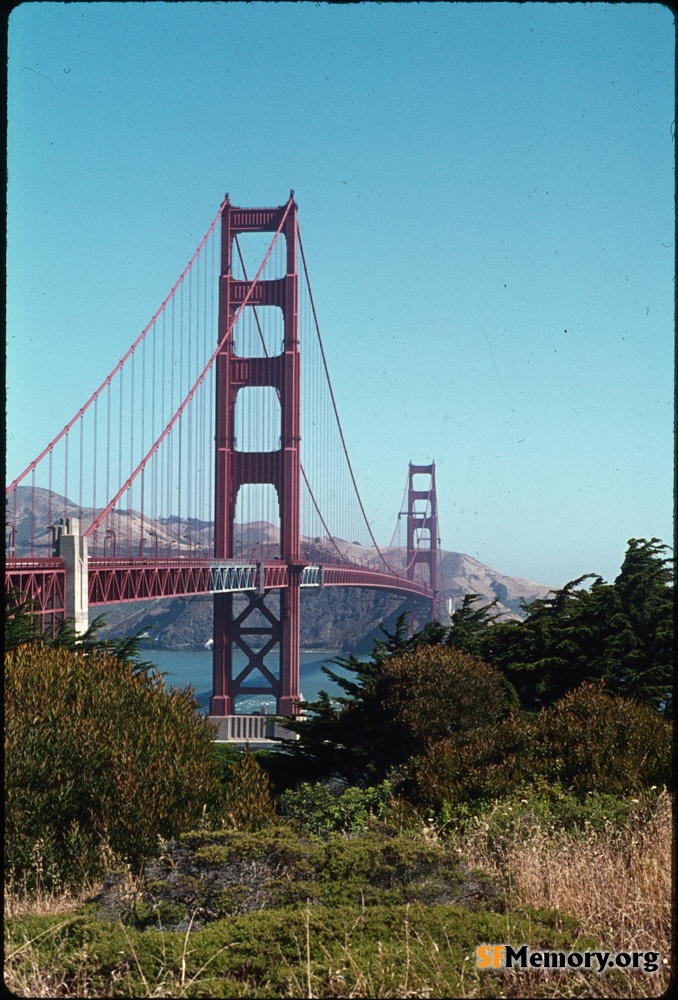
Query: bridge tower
[[427, 519], [280, 468]]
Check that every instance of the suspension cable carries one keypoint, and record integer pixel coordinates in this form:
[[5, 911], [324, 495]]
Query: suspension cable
[[94, 525], [122, 361], [336, 412]]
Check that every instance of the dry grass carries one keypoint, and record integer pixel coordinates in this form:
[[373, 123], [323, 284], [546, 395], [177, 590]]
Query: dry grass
[[44, 903], [619, 882]]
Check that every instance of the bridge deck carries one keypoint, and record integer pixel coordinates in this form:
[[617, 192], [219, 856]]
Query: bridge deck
[[117, 581]]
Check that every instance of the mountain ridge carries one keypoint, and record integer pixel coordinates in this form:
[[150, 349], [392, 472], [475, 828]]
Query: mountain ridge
[[344, 618]]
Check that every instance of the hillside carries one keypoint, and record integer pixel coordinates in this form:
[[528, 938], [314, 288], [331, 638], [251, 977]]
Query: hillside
[[335, 618]]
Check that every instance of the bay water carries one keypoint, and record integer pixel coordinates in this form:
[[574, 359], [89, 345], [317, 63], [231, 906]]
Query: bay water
[[195, 668]]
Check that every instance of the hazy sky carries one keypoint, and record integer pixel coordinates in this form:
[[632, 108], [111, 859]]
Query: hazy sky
[[485, 196]]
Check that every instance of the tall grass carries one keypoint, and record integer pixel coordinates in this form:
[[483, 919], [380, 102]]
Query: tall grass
[[616, 880]]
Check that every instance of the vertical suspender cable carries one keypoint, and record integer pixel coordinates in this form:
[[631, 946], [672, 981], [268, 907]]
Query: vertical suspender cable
[[49, 498], [95, 449], [210, 408], [189, 420], [82, 456], [33, 512], [65, 480], [143, 433]]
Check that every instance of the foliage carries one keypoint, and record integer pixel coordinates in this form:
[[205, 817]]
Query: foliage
[[469, 625], [436, 692], [409, 690], [320, 951], [221, 873], [22, 625], [620, 632], [590, 741], [97, 753], [540, 808], [319, 810], [225, 754], [248, 802], [232, 914]]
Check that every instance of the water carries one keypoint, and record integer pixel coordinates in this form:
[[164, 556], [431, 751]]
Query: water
[[195, 668]]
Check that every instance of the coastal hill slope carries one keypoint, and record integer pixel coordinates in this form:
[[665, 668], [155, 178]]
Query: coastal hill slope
[[334, 618]]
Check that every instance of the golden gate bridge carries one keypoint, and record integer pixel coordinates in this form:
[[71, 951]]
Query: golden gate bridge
[[195, 469]]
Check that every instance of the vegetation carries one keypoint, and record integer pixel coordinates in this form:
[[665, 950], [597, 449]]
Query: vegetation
[[97, 755], [621, 633], [247, 800], [324, 809], [588, 742], [363, 917], [22, 627], [411, 690], [483, 782]]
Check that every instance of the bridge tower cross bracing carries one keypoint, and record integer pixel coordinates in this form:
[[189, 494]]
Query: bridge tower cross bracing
[[281, 468], [418, 520]]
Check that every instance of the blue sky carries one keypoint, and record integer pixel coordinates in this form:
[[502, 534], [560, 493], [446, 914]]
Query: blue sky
[[485, 196]]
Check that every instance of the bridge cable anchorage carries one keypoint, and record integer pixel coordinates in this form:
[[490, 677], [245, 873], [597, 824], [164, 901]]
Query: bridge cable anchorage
[[177, 416]]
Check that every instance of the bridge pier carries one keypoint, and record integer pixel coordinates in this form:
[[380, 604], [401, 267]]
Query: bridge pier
[[72, 549], [290, 613]]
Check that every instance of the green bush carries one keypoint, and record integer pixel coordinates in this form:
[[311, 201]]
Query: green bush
[[97, 754], [438, 692], [412, 690], [589, 741], [320, 951], [319, 811], [544, 810], [593, 741]]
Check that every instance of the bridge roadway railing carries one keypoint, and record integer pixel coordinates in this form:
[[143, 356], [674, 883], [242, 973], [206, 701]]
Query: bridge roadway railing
[[43, 581], [113, 581]]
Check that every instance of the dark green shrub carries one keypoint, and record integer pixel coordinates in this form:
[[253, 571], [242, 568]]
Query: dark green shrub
[[489, 765], [410, 691], [97, 753], [593, 741], [621, 633], [438, 692], [212, 874], [589, 741], [225, 754]]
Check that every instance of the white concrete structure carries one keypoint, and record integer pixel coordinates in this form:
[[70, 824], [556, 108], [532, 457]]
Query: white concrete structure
[[253, 729], [71, 546]]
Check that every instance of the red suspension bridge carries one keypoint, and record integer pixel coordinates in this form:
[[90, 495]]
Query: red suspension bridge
[[194, 469]]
